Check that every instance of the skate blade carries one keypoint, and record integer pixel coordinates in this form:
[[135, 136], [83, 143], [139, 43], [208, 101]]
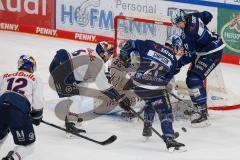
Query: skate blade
[[177, 150], [201, 125]]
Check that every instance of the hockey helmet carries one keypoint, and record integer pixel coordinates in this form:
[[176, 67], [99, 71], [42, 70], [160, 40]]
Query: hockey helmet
[[104, 49], [27, 62], [178, 16]]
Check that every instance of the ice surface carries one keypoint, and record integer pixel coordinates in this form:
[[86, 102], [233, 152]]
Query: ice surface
[[220, 141]]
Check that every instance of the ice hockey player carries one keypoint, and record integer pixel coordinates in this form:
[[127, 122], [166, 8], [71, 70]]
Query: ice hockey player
[[203, 49], [21, 106], [156, 69], [105, 50], [79, 76]]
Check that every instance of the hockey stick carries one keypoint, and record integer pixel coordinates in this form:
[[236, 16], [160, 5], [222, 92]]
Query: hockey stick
[[106, 142], [186, 104], [181, 100], [153, 129]]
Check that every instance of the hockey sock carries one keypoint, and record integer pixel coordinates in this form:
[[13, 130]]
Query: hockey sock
[[196, 90], [149, 113], [198, 96], [166, 124]]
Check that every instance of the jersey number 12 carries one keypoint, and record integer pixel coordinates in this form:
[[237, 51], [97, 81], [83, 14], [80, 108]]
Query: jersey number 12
[[17, 85]]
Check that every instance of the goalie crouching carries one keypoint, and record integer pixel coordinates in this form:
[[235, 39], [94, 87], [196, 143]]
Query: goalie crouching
[[156, 69]]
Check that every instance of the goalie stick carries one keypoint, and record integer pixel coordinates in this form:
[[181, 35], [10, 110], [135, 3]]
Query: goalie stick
[[106, 142]]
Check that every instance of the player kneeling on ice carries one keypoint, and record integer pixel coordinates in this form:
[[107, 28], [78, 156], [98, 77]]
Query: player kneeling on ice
[[21, 105], [72, 65], [156, 69], [203, 49]]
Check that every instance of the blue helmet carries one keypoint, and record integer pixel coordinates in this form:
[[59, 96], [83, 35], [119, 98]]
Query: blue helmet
[[27, 62], [104, 49], [174, 41], [178, 16]]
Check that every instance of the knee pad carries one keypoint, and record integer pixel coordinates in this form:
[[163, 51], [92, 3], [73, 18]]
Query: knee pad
[[60, 57], [62, 53]]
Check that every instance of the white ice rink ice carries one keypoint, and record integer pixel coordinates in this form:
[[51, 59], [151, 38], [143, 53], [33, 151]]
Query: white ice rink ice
[[220, 141]]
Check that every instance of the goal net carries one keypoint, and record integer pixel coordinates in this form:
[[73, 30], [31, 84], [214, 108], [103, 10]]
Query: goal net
[[144, 29]]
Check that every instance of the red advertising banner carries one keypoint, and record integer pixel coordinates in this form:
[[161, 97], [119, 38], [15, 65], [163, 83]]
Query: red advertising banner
[[28, 12], [92, 38]]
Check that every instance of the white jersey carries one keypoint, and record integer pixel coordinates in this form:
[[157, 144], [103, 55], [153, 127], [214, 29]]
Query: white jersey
[[92, 71], [25, 84]]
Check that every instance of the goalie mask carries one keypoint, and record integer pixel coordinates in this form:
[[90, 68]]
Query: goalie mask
[[27, 63], [104, 50]]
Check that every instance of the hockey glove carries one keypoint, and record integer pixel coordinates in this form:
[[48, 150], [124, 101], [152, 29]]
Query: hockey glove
[[36, 116]]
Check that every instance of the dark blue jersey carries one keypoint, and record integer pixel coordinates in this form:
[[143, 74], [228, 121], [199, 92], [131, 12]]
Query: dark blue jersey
[[197, 39], [157, 63]]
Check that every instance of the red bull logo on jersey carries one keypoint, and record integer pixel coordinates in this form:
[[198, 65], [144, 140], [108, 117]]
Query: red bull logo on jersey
[[21, 74]]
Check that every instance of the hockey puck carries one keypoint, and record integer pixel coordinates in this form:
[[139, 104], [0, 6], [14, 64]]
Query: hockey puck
[[184, 129]]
